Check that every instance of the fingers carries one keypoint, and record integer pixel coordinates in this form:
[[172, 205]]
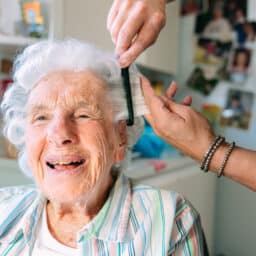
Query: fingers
[[116, 26], [147, 89], [149, 94], [152, 100], [187, 101], [126, 25], [158, 106], [134, 25], [171, 91], [128, 32], [113, 13], [144, 39]]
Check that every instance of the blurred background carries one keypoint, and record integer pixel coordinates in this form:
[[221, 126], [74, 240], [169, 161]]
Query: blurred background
[[209, 48]]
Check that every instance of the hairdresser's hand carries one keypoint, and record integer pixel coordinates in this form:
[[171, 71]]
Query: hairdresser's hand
[[177, 123], [134, 25]]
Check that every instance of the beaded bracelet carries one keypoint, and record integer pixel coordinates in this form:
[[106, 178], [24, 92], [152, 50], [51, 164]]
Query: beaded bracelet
[[209, 154], [209, 158], [228, 153]]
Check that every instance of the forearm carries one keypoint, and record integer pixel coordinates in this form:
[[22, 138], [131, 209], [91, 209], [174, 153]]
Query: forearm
[[190, 132], [241, 165]]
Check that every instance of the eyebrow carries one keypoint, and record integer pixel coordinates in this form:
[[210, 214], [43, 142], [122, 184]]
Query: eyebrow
[[83, 104], [92, 107], [35, 108]]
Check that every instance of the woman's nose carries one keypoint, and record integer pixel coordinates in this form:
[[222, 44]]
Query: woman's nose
[[61, 132]]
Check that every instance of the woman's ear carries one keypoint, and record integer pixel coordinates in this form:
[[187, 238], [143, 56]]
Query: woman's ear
[[121, 141]]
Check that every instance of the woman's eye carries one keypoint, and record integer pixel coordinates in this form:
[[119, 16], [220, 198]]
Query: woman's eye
[[83, 116], [40, 118]]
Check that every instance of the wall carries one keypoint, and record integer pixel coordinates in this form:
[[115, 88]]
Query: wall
[[235, 220]]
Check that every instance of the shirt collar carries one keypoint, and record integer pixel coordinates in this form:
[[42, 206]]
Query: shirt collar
[[21, 214], [32, 217], [111, 223]]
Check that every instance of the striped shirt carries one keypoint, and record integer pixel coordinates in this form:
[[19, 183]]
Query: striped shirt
[[135, 220]]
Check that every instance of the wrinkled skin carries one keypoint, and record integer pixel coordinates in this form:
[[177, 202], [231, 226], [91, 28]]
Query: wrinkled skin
[[72, 143]]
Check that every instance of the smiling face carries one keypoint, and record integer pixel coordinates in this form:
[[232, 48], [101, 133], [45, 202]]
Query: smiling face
[[70, 137]]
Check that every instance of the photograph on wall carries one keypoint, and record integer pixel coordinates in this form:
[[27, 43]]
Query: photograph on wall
[[238, 110], [246, 33], [192, 6], [240, 65], [212, 113], [211, 51], [220, 20], [34, 18], [211, 59], [200, 82]]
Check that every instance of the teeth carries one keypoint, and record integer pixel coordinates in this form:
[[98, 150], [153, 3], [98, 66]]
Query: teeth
[[67, 163], [53, 164], [62, 163]]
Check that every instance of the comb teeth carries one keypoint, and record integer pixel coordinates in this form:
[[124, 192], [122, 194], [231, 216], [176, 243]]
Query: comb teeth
[[128, 95]]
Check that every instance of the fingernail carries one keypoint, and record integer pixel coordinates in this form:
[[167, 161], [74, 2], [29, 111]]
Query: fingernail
[[118, 55], [122, 62], [120, 52]]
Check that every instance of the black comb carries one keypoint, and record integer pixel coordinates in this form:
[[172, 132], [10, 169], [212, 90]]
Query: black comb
[[128, 95]]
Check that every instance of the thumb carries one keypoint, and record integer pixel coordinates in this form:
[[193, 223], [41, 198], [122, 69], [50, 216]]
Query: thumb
[[147, 90], [152, 100]]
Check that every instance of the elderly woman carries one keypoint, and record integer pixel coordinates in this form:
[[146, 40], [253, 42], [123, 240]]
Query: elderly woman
[[66, 114]]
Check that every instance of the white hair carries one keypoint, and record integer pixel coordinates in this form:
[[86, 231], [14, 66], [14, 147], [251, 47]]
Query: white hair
[[40, 59]]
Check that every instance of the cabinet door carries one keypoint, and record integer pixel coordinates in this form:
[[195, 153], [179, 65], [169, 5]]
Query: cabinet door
[[163, 54], [86, 20]]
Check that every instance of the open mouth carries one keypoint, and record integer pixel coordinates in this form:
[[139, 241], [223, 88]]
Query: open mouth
[[65, 165]]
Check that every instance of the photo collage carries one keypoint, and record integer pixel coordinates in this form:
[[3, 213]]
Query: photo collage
[[224, 46]]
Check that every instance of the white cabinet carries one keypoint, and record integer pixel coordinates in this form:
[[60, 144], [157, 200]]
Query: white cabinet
[[163, 54], [9, 44], [86, 20]]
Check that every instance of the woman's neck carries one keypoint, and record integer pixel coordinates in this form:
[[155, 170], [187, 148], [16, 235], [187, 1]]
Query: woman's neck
[[66, 219]]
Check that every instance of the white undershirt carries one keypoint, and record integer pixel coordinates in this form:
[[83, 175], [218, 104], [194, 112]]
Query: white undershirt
[[46, 244]]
